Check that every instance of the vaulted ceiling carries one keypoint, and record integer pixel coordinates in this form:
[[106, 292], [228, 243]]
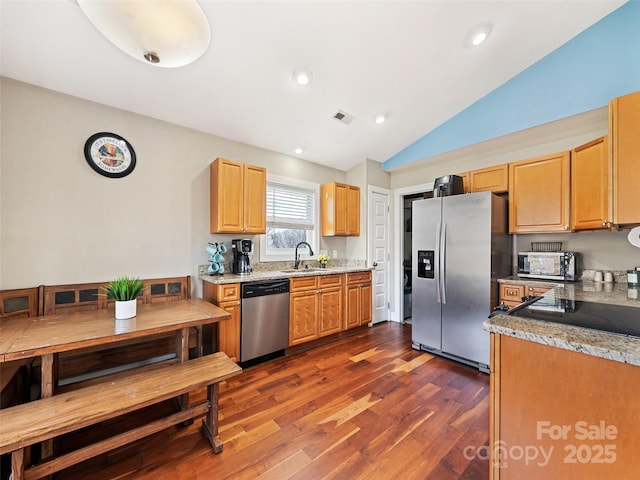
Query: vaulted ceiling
[[407, 59]]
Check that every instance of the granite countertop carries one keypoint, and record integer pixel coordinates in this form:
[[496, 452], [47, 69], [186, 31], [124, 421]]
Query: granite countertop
[[278, 274], [620, 348]]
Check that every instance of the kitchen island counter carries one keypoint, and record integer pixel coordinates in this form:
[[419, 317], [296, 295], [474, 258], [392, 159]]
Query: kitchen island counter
[[620, 348], [566, 394]]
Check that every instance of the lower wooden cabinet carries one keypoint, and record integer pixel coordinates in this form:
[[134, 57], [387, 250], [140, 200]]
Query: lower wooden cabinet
[[316, 307], [561, 414], [227, 297], [330, 304], [358, 311], [303, 313], [511, 294]]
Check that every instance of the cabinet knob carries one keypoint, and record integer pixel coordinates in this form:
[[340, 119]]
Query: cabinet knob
[[566, 227], [606, 223]]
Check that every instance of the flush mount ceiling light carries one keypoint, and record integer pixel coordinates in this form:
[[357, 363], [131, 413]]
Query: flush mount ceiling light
[[380, 118], [298, 150], [302, 76], [479, 36], [164, 33]]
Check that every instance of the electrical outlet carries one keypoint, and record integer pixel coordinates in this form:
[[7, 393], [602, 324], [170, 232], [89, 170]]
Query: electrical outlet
[[335, 253]]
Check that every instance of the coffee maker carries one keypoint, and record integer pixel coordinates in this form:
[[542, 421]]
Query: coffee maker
[[242, 253]]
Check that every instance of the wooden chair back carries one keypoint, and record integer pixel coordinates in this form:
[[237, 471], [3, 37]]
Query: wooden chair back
[[15, 376]]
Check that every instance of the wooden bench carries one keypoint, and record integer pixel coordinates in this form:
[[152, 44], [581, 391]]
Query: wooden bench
[[31, 423]]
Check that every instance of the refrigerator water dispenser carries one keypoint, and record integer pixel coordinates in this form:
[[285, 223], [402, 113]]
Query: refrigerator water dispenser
[[425, 263]]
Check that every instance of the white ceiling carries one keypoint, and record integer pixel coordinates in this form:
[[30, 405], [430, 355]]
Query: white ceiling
[[407, 59]]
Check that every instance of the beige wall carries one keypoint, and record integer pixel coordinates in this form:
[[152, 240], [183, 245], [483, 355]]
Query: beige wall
[[61, 222], [550, 138]]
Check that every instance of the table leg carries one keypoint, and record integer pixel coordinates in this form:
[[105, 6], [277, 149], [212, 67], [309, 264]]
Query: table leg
[[182, 352], [47, 385]]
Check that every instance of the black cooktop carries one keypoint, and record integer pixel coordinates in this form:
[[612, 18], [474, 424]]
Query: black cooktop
[[618, 319]]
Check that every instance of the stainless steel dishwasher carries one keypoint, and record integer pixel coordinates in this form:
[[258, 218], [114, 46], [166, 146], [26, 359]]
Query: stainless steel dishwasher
[[264, 322]]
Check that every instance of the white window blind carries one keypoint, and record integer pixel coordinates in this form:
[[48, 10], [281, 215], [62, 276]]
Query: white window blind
[[290, 207]]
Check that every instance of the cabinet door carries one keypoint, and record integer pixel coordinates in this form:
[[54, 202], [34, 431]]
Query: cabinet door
[[340, 212], [340, 207], [255, 199], [539, 194], [226, 196], [365, 304], [330, 311], [353, 211], [229, 331], [590, 179], [353, 306], [303, 324], [491, 179], [466, 181], [624, 116]]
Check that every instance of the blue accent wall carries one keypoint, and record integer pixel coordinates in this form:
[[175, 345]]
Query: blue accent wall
[[600, 63]]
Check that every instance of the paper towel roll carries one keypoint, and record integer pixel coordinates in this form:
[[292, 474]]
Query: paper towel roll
[[634, 237]]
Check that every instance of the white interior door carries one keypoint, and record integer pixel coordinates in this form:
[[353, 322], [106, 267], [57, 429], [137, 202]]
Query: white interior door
[[379, 258]]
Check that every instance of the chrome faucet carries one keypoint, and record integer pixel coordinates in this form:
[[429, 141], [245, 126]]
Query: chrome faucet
[[296, 263]]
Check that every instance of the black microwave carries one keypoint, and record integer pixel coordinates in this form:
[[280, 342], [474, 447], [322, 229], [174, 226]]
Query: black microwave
[[548, 265]]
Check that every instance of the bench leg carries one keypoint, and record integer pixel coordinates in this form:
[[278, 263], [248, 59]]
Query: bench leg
[[17, 465], [210, 422]]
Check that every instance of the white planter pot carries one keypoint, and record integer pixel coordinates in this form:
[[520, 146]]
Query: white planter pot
[[126, 309]]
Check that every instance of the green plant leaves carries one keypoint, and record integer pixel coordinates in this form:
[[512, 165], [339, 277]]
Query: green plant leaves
[[124, 288]]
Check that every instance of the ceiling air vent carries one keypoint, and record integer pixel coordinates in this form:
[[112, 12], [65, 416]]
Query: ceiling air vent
[[344, 117]]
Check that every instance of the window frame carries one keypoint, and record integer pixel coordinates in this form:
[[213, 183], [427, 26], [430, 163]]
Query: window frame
[[313, 237]]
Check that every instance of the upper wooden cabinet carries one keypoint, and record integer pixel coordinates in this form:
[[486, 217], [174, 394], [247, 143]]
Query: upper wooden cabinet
[[590, 180], [539, 194], [238, 197], [340, 206], [466, 182], [492, 179], [624, 131]]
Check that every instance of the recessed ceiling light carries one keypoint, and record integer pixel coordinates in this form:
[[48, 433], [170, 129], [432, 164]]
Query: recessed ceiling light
[[480, 35], [298, 150], [302, 76], [380, 118]]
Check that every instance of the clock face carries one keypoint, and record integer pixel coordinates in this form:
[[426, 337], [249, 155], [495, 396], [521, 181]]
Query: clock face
[[110, 155]]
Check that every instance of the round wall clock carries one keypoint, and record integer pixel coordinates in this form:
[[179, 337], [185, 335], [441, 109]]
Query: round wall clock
[[110, 155]]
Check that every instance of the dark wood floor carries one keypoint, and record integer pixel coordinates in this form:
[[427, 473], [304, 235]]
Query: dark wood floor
[[364, 407]]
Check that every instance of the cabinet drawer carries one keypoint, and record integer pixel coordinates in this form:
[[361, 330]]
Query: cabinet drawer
[[228, 292], [304, 283], [358, 277], [511, 293], [537, 289], [330, 280]]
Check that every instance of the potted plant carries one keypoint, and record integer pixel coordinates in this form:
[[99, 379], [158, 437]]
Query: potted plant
[[323, 260], [124, 291]]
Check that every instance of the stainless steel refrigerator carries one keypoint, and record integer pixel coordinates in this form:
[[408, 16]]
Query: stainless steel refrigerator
[[460, 247]]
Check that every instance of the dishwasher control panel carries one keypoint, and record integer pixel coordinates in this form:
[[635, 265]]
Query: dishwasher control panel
[[267, 287]]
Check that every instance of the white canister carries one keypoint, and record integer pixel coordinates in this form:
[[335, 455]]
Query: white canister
[[632, 278]]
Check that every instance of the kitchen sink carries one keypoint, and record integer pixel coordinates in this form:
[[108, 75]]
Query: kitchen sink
[[302, 270]]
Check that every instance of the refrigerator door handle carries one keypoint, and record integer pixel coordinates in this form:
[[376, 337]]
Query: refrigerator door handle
[[443, 265], [437, 262]]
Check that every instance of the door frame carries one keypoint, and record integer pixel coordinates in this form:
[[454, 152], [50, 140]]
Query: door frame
[[397, 305], [370, 236]]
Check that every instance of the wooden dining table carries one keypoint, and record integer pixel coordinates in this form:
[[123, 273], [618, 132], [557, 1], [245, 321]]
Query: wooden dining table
[[46, 336]]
